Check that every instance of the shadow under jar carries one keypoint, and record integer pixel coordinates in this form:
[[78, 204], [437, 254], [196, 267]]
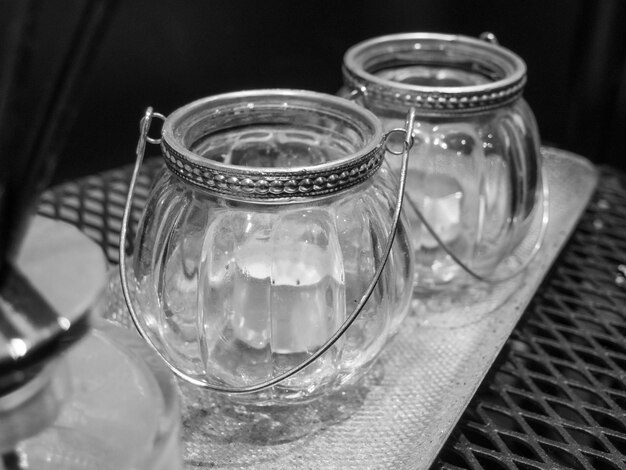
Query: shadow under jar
[[475, 166], [260, 237]]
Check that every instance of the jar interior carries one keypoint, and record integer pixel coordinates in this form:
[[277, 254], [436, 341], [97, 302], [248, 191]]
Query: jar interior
[[262, 132], [434, 63], [273, 146], [432, 76]]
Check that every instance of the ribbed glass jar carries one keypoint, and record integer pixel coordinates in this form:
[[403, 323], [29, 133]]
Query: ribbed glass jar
[[475, 166], [261, 235]]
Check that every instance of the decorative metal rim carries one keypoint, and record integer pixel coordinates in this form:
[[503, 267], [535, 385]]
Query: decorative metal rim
[[471, 98], [265, 183]]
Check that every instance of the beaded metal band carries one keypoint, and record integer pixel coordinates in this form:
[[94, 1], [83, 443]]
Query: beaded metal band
[[439, 100], [504, 70], [255, 184]]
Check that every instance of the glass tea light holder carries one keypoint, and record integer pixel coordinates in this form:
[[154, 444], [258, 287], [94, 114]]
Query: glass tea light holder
[[271, 262], [475, 185]]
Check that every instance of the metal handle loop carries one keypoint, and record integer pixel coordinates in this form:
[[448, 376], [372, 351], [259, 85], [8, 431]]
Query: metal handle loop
[[145, 126], [489, 37], [357, 93]]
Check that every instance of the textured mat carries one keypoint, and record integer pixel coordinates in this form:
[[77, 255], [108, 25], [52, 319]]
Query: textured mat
[[403, 413]]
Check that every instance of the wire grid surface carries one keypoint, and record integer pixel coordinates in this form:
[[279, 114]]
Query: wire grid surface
[[531, 412], [558, 397]]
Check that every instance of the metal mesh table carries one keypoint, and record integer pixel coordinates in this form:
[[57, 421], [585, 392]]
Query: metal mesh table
[[557, 396]]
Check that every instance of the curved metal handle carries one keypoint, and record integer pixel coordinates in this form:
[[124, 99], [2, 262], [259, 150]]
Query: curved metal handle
[[145, 126], [545, 218], [360, 93]]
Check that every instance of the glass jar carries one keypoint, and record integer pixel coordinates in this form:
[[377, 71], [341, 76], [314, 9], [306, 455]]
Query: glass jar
[[260, 237], [474, 185]]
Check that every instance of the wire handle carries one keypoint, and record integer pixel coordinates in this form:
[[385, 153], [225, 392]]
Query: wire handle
[[141, 146], [545, 218]]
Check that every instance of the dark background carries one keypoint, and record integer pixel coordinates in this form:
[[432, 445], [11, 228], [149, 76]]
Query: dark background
[[165, 53]]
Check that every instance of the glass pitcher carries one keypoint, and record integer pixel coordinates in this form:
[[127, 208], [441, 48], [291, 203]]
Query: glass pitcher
[[475, 184], [264, 232]]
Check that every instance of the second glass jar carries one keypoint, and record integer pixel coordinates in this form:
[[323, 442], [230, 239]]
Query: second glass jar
[[475, 166]]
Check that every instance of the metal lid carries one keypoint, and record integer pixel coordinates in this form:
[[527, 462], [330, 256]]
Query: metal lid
[[498, 74], [350, 136]]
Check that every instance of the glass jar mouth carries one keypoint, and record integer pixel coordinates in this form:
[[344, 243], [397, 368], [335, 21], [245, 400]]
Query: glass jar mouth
[[273, 143], [449, 72]]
